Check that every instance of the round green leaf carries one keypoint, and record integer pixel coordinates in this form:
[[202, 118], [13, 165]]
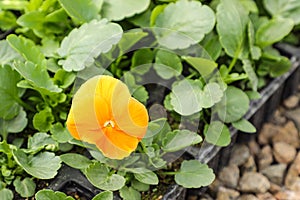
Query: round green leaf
[[76, 161], [6, 194], [43, 120], [179, 139], [234, 105], [185, 97], [51, 195], [106, 195], [177, 30], [9, 92], [116, 10], [218, 134], [244, 125], [38, 141], [43, 165], [168, 64], [26, 187], [113, 183], [273, 31], [82, 45], [193, 174], [148, 177], [128, 193]]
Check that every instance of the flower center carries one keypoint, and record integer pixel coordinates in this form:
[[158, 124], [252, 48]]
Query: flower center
[[109, 123]]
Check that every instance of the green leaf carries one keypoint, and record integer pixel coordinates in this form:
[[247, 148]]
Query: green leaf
[[283, 9], [6, 194], [193, 174], [60, 133], [234, 105], [38, 141], [139, 186], [7, 54], [255, 51], [9, 93], [185, 96], [76, 161], [244, 125], [82, 45], [179, 139], [83, 11], [46, 194], [204, 66], [64, 79], [32, 20], [129, 39], [141, 61], [167, 64], [253, 95], [247, 65], [26, 187], [155, 12], [4, 147], [175, 31], [232, 20], [13, 5], [147, 177], [99, 176], [128, 193], [212, 94], [273, 31], [43, 165], [106, 195], [218, 134], [16, 124], [113, 182], [43, 120], [22, 44], [116, 10], [36, 75]]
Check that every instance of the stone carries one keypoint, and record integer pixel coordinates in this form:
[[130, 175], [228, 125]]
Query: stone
[[250, 165], [267, 132], [295, 186], [253, 147], [288, 134], [287, 195], [275, 173], [291, 102], [265, 157], [294, 115], [229, 176], [248, 197], [265, 196], [283, 152], [274, 188], [227, 194], [278, 118], [293, 173], [215, 185], [254, 182], [239, 155], [192, 197]]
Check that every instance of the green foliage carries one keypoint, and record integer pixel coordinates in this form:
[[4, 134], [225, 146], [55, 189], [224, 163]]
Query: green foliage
[[82, 45], [46, 194], [174, 30], [193, 174], [25, 187], [43, 165]]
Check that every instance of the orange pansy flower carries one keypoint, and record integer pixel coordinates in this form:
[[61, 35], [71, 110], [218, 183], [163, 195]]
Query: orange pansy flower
[[104, 113]]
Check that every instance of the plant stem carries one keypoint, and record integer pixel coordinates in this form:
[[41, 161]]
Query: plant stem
[[232, 64], [169, 173], [144, 147]]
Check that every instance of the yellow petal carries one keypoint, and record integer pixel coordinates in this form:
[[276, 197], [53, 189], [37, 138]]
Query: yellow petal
[[132, 118]]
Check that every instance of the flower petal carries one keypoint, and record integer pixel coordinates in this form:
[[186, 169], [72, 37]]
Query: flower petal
[[132, 118], [116, 144]]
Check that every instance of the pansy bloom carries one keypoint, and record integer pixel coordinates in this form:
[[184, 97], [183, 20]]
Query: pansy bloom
[[104, 113]]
